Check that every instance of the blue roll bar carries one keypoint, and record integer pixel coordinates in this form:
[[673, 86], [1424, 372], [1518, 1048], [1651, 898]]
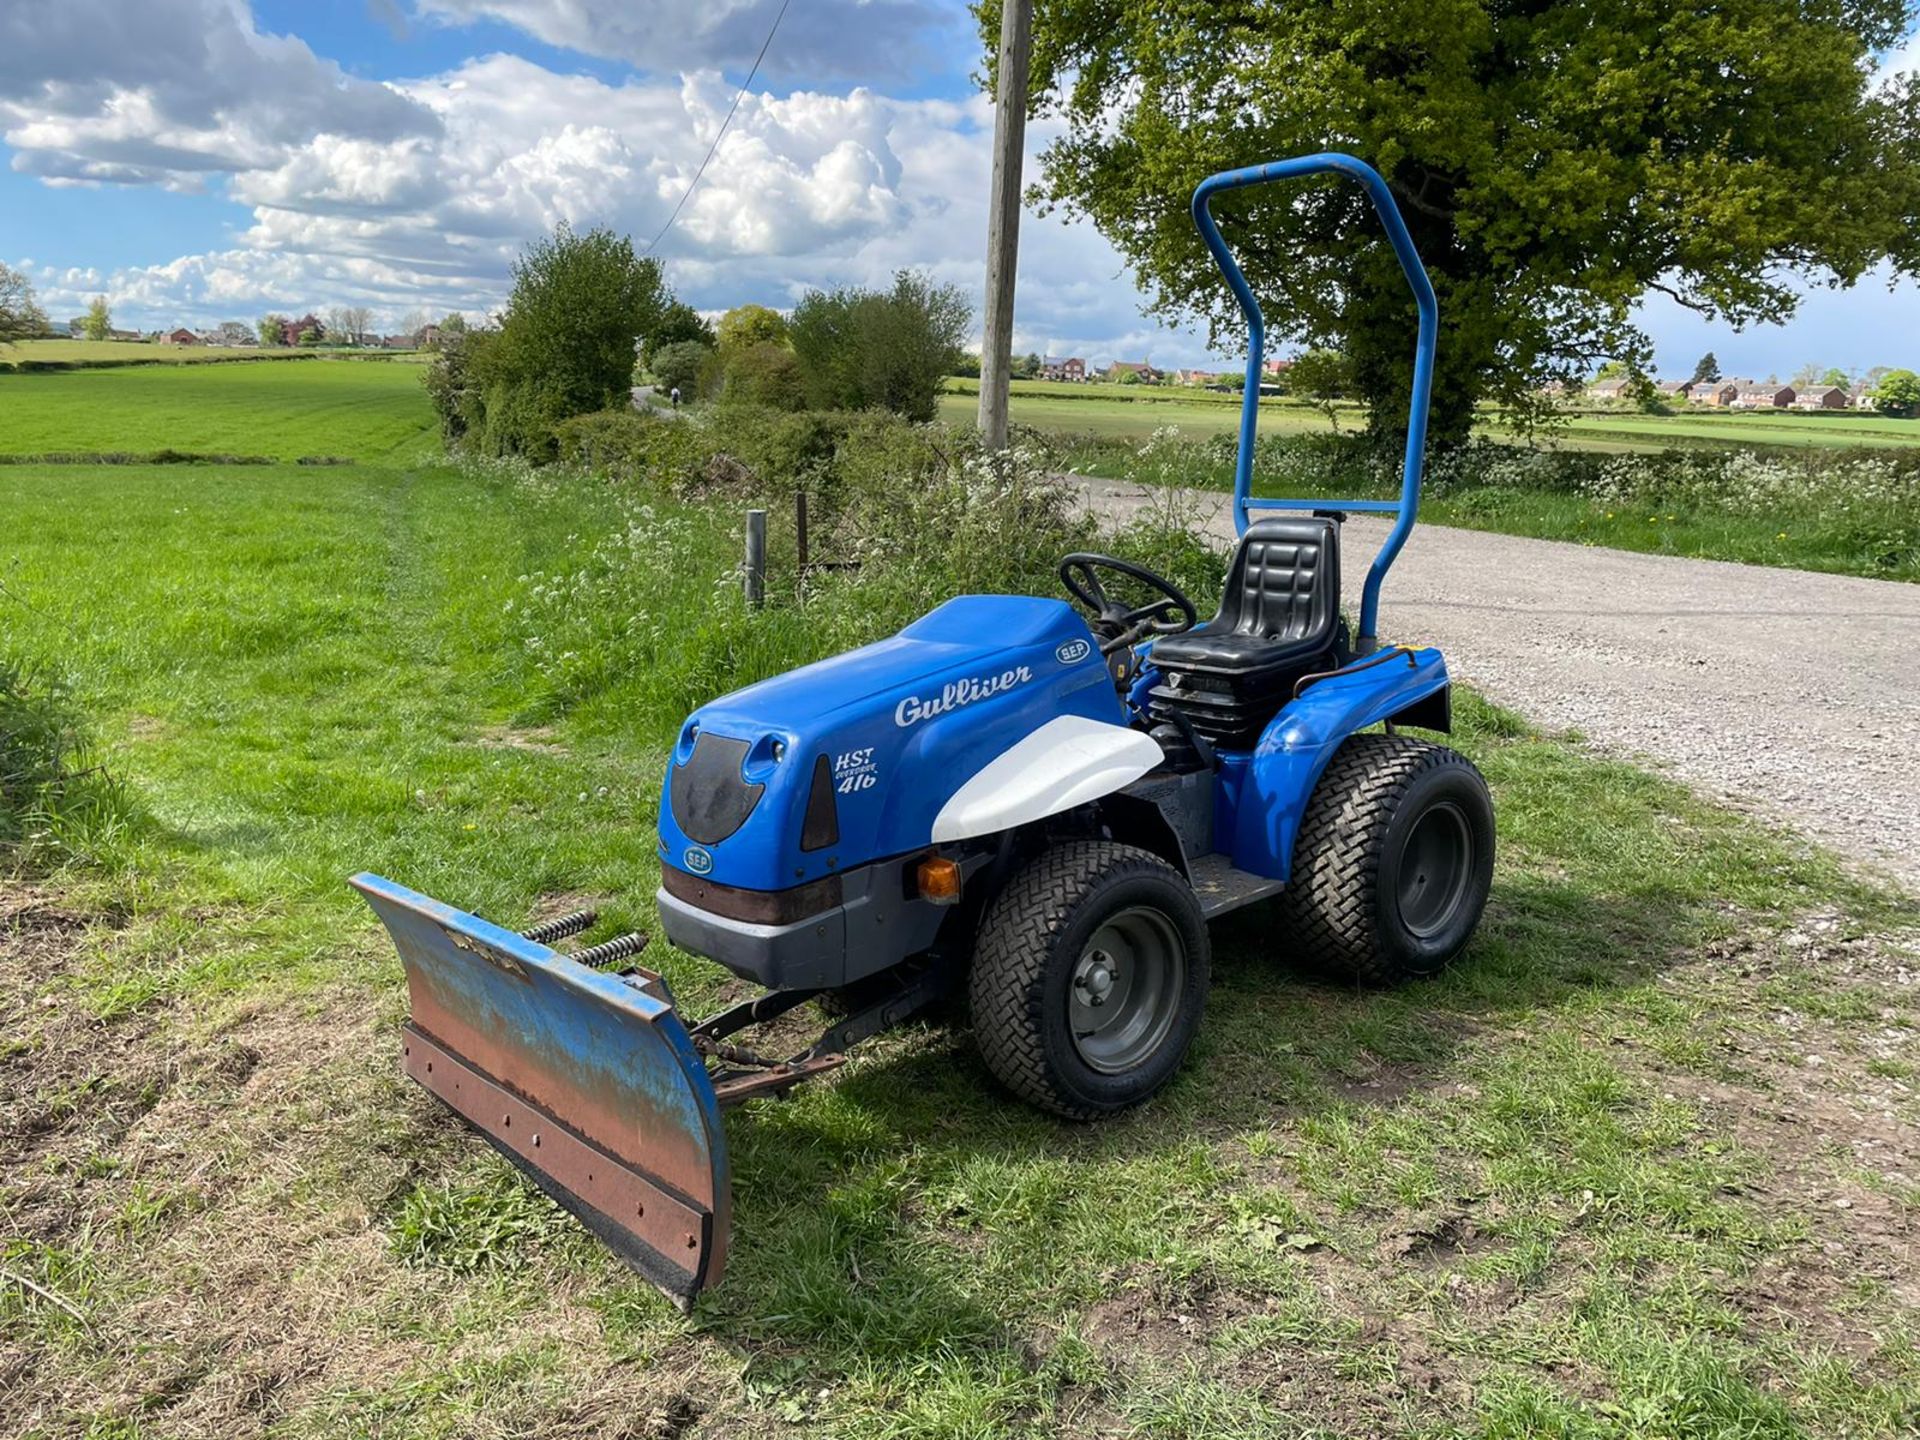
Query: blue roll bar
[[1408, 505]]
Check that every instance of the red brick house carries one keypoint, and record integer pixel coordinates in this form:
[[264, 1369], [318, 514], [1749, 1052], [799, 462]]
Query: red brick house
[[1767, 396], [1821, 397], [1072, 367], [182, 336]]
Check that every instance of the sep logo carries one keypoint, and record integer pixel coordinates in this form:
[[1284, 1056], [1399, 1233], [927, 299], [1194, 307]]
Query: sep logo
[[1073, 652], [697, 861]]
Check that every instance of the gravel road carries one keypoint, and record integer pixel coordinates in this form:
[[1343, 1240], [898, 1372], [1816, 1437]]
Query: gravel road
[[1790, 693]]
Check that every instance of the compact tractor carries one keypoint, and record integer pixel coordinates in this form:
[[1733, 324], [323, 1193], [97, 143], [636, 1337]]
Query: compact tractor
[[1034, 803]]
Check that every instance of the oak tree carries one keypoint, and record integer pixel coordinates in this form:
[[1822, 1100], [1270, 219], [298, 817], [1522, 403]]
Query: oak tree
[[1557, 160]]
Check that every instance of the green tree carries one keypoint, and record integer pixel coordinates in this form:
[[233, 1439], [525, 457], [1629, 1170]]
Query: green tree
[[1554, 160], [1898, 393], [1835, 379], [1323, 378], [310, 337], [880, 349], [680, 324], [763, 374], [751, 325], [98, 324], [21, 317], [1707, 371], [565, 344], [271, 329], [677, 366]]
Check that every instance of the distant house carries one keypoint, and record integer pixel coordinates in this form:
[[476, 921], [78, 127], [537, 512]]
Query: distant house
[[1719, 393], [427, 338], [1675, 389], [1195, 377], [1821, 397], [1614, 387], [125, 335], [396, 342], [1055, 367], [182, 336], [1861, 397], [1276, 368], [1144, 371], [292, 330], [1767, 396]]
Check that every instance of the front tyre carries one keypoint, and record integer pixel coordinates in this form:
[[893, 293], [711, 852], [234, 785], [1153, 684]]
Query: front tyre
[[1089, 978], [1393, 861]]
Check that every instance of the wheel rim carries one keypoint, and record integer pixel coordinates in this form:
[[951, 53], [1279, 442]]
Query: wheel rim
[[1124, 994], [1436, 868]]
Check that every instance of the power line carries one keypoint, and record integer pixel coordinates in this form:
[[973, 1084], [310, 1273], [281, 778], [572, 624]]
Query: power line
[[721, 134]]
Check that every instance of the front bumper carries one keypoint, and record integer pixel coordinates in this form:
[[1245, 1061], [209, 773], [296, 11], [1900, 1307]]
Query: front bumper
[[875, 925]]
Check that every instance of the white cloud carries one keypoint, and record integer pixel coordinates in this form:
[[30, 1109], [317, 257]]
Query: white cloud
[[807, 189], [171, 91], [817, 39]]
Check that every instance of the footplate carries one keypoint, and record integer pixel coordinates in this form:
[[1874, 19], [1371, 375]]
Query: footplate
[[589, 1082]]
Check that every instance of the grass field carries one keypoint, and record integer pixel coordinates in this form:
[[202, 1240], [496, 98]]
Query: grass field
[[1135, 412], [343, 408], [1643, 1163], [123, 350]]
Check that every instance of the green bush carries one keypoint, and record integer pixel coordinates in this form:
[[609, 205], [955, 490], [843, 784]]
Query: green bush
[[677, 366], [564, 348], [630, 446], [763, 374], [880, 349], [644, 611]]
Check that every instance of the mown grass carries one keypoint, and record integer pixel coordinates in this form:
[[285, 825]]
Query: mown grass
[[1134, 412], [125, 350], [356, 409], [1574, 1187]]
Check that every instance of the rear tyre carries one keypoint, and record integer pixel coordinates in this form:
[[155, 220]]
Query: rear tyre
[[1393, 861], [1089, 978]]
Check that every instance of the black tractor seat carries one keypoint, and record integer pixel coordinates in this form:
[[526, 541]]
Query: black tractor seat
[[1279, 619]]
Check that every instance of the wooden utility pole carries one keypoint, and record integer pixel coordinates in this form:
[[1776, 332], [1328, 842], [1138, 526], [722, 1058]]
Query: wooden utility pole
[[1003, 220]]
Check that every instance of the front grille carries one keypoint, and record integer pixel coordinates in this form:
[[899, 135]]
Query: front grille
[[710, 800]]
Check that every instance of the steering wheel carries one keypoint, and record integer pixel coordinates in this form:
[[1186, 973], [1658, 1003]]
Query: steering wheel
[[1117, 625]]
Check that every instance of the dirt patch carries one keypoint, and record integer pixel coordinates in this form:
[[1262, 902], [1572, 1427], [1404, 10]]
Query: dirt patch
[[539, 739], [1820, 1107], [214, 1207]]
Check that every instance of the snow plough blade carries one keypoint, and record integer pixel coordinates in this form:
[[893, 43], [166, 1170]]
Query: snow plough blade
[[588, 1081]]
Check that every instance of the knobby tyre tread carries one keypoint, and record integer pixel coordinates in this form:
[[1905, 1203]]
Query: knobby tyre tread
[[1026, 921], [1334, 906]]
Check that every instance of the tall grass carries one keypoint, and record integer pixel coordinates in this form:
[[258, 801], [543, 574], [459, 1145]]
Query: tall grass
[[647, 597], [55, 799]]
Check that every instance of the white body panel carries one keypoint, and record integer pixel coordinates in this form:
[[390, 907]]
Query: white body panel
[[1066, 762]]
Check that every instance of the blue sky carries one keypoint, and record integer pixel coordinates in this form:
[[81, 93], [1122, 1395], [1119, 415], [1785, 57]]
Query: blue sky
[[201, 160]]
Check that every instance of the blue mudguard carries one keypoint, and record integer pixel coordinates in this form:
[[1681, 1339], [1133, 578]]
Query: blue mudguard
[[1266, 793], [589, 1082]]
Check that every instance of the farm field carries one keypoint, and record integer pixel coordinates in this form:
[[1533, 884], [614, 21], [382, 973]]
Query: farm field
[[1135, 412], [1590, 1183], [352, 409], [123, 350]]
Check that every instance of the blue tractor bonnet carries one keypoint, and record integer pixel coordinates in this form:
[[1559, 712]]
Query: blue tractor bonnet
[[854, 758]]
